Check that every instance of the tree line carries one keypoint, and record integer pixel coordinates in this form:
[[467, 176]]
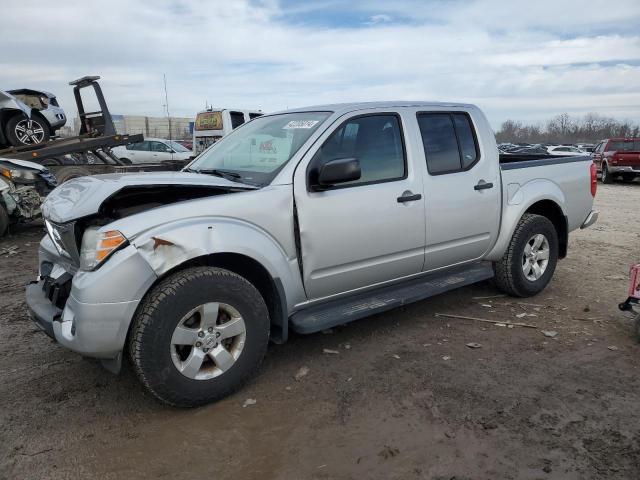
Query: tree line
[[565, 129]]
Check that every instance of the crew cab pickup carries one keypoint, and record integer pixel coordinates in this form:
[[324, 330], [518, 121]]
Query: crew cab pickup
[[618, 157], [301, 220]]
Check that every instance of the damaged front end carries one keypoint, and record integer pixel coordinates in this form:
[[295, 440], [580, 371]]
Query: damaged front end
[[23, 186]]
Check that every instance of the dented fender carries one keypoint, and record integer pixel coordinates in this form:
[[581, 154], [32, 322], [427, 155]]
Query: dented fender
[[170, 245]]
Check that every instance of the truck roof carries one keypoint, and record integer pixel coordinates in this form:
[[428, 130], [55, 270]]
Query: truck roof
[[354, 106]]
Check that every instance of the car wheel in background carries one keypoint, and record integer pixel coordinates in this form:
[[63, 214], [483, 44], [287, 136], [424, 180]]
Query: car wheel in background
[[628, 177], [636, 327], [4, 220], [22, 130], [527, 266], [67, 173], [606, 174], [125, 161], [198, 336]]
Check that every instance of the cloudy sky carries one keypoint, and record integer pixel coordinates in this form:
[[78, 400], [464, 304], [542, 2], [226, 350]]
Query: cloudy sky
[[526, 60]]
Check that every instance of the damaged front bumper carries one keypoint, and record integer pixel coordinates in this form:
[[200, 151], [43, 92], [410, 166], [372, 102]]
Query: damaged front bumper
[[89, 312]]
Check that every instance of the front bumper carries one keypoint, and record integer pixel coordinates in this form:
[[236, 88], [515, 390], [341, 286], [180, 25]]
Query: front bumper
[[591, 219], [94, 319]]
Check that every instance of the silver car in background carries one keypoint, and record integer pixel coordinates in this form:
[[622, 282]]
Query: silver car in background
[[29, 117]]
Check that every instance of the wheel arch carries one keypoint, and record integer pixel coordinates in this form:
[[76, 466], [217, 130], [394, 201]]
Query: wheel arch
[[543, 198], [270, 287]]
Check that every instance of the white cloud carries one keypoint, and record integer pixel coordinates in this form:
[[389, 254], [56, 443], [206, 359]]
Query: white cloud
[[521, 60]]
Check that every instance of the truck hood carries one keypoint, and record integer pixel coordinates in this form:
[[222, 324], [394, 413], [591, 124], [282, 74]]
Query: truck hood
[[87, 196]]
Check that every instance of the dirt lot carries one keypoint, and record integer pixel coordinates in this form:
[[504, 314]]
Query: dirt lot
[[404, 398]]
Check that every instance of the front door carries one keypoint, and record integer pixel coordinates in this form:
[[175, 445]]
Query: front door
[[462, 187], [367, 231]]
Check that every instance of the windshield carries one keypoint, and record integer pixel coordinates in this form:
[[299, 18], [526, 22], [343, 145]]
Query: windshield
[[255, 152], [177, 147]]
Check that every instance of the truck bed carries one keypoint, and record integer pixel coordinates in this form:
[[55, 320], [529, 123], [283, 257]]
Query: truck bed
[[510, 161]]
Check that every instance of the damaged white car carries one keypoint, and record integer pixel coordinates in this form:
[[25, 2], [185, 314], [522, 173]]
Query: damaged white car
[[305, 219], [23, 186]]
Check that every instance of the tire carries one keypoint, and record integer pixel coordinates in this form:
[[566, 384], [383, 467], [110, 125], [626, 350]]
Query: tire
[[628, 177], [510, 275], [606, 175], [636, 327], [165, 365], [21, 130], [67, 173], [4, 220], [125, 161]]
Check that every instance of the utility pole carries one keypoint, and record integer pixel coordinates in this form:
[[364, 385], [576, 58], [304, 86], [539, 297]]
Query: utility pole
[[166, 104]]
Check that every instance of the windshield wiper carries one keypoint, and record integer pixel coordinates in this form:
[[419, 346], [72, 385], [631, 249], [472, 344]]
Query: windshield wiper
[[219, 173]]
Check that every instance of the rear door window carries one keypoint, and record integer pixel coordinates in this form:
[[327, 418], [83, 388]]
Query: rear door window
[[144, 146], [449, 142]]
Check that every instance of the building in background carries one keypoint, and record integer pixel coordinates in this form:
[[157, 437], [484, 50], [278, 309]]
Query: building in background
[[157, 127]]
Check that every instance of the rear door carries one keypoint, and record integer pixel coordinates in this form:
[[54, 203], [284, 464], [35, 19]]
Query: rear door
[[462, 188], [370, 230]]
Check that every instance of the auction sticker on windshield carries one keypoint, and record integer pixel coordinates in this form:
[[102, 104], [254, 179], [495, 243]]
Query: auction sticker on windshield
[[300, 124]]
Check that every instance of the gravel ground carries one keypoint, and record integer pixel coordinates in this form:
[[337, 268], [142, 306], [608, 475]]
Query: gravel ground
[[404, 398]]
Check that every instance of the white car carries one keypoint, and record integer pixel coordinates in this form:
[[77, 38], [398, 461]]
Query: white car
[[567, 151], [152, 150]]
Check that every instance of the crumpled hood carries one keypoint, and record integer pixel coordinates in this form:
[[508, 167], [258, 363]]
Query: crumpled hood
[[81, 197]]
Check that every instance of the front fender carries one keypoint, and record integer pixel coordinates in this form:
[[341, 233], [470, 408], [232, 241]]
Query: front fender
[[518, 199], [175, 243]]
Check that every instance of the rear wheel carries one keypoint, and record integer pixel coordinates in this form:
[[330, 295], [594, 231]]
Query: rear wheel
[[606, 174], [199, 335], [628, 177], [22, 130], [527, 266]]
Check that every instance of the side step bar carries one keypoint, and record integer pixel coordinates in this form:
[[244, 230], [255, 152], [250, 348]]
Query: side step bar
[[345, 310]]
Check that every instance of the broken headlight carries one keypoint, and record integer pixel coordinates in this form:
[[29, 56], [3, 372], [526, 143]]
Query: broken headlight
[[97, 246], [19, 175]]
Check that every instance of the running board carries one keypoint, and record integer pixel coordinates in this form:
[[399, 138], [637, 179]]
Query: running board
[[345, 310]]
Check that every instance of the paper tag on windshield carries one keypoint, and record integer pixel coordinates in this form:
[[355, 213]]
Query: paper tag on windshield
[[300, 124]]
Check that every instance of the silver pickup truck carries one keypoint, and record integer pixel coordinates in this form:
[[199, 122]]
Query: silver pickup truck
[[301, 220]]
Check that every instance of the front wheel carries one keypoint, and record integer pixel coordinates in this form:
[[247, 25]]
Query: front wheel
[[606, 174], [527, 266], [199, 335]]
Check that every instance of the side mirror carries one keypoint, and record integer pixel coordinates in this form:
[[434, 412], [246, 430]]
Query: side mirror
[[336, 171]]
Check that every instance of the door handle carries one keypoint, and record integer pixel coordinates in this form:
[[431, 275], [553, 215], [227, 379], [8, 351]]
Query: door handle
[[408, 196], [482, 185]]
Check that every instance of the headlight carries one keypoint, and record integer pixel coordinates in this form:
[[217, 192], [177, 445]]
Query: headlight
[[98, 246], [56, 238], [17, 175]]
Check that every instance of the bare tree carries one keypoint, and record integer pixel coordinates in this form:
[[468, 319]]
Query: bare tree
[[564, 128]]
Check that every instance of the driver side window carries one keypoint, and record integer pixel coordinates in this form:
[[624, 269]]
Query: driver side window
[[375, 140]]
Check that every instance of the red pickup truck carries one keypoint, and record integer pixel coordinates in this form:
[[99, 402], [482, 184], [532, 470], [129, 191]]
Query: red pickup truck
[[618, 157]]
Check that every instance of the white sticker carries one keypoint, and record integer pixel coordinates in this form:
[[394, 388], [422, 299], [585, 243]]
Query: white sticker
[[300, 124]]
